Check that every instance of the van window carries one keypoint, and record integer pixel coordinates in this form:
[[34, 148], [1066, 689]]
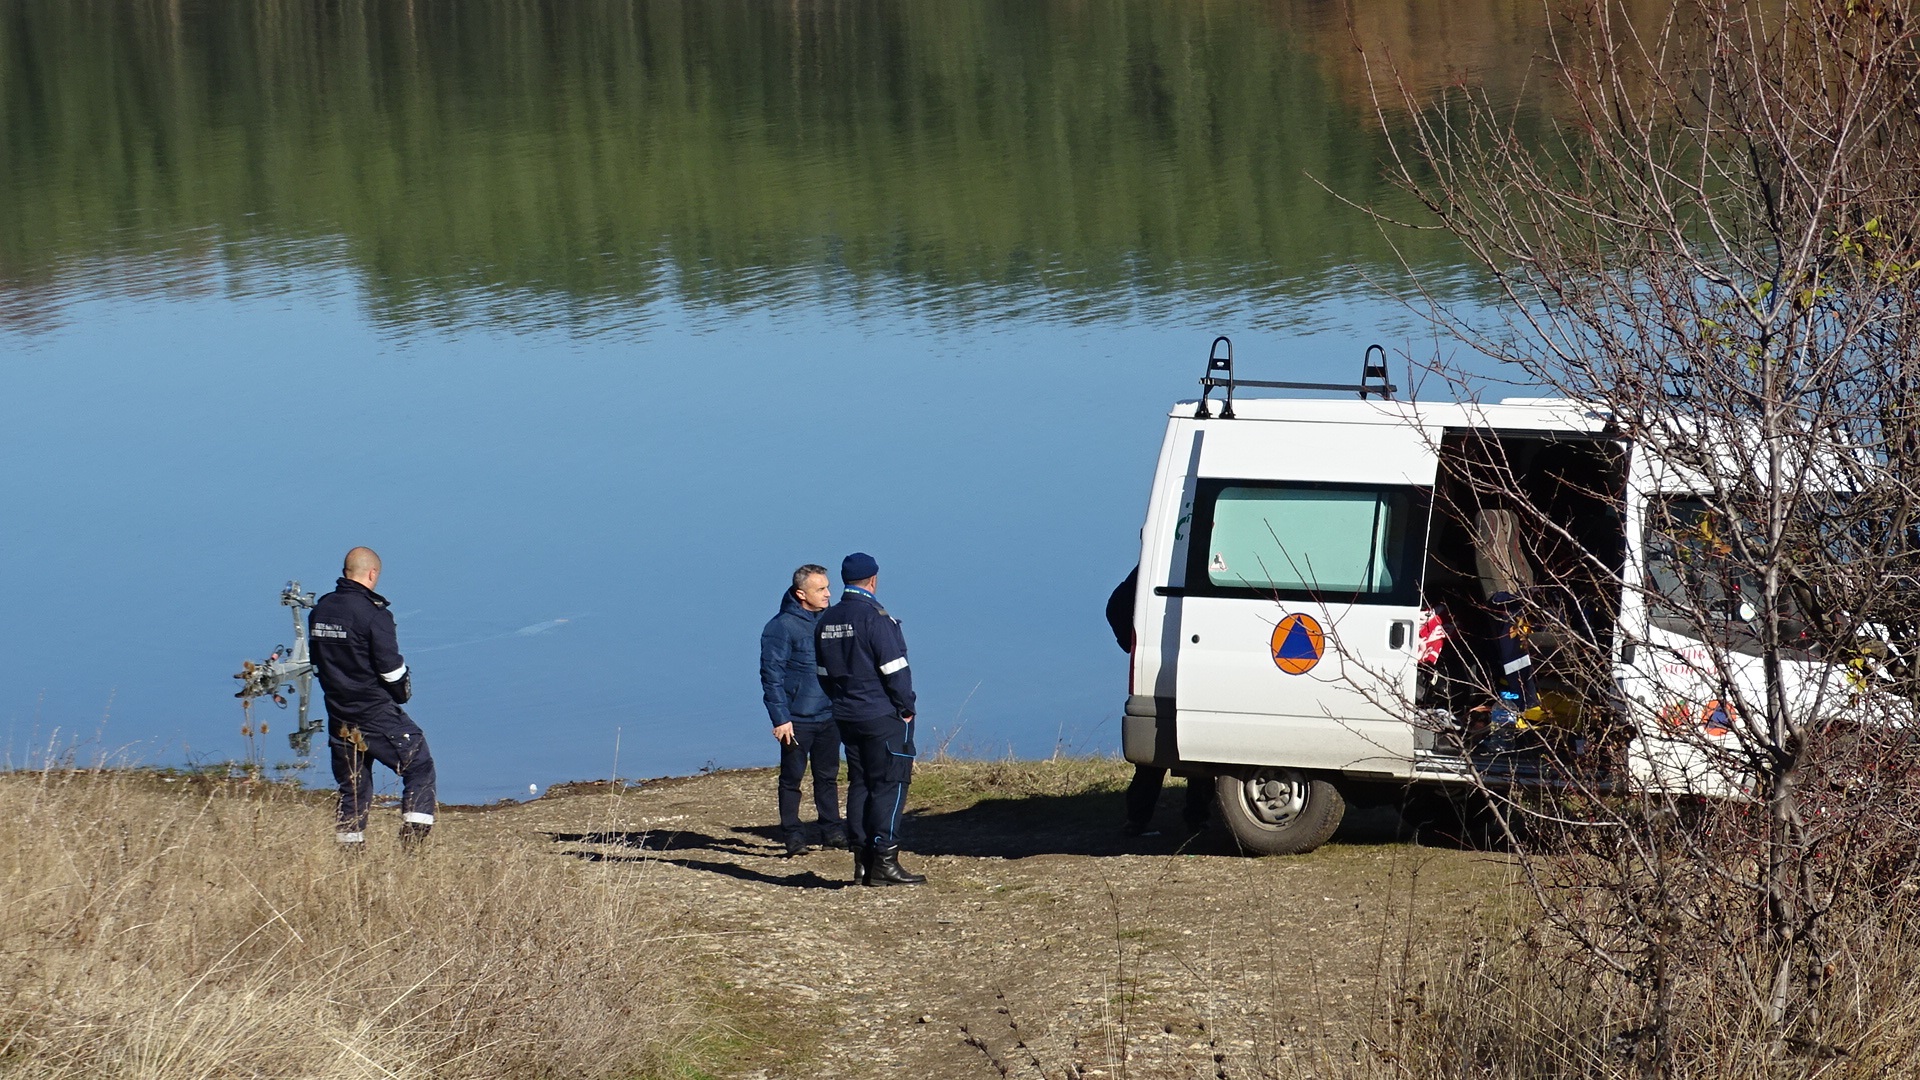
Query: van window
[[1698, 584], [1308, 541]]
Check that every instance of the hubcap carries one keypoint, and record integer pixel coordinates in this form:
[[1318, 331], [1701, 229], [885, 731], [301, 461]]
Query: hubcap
[[1276, 796]]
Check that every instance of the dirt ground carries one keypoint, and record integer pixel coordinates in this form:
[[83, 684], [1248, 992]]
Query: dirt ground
[[1045, 944]]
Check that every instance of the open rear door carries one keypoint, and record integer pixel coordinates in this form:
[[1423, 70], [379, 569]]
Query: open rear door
[[1302, 594]]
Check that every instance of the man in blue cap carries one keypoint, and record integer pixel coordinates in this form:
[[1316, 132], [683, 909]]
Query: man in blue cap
[[863, 668]]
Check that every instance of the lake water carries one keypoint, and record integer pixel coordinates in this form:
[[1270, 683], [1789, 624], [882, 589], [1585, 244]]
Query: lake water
[[596, 319]]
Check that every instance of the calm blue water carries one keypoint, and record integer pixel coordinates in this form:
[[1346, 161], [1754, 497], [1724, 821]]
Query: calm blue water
[[583, 534], [596, 352]]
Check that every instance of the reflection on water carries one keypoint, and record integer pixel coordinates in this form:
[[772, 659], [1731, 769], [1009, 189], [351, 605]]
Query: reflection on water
[[572, 161], [597, 318]]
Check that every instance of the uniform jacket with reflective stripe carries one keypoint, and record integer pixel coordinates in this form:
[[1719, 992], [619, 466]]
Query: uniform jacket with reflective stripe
[[863, 661], [789, 680], [356, 653]]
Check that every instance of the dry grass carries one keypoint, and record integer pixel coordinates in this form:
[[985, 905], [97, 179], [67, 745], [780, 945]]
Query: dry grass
[[211, 928], [951, 783], [1510, 998], [1515, 1006], [207, 928]]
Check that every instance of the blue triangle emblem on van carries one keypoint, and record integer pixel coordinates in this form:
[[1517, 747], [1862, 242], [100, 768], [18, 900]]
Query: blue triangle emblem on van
[[1298, 644]]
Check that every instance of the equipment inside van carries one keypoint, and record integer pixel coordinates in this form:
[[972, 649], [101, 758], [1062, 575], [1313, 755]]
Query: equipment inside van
[[1345, 600]]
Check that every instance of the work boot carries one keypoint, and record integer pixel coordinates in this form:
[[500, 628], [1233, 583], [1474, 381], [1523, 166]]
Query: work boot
[[834, 836], [413, 836], [796, 845], [860, 859], [886, 869]]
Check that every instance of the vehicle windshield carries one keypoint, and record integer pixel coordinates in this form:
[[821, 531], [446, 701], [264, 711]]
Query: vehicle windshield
[[1690, 564], [1694, 575]]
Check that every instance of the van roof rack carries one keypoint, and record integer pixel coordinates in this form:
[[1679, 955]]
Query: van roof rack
[[1373, 379]]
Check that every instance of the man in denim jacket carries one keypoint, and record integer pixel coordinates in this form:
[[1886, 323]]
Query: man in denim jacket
[[802, 717]]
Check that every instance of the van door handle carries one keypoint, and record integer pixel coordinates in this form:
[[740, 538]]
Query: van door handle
[[1398, 632]]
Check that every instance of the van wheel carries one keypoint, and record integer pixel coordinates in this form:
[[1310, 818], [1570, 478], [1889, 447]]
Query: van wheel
[[1273, 811]]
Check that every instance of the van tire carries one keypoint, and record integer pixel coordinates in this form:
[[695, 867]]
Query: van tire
[[1275, 811]]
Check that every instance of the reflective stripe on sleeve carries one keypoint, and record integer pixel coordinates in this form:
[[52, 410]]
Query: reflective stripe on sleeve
[[1521, 664], [892, 666], [394, 675], [412, 818]]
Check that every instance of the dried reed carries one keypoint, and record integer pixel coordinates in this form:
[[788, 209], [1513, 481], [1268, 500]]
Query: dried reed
[[211, 928]]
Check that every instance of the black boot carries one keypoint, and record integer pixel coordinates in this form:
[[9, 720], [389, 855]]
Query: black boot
[[886, 869], [413, 836], [860, 864]]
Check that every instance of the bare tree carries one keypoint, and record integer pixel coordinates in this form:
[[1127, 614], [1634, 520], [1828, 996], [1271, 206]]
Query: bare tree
[[1711, 235]]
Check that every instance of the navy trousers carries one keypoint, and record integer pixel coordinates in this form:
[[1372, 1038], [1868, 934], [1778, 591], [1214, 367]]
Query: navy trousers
[[856, 793], [400, 746], [1143, 795], [879, 767], [816, 744]]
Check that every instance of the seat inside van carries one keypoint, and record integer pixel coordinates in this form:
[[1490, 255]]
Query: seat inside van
[[1527, 530]]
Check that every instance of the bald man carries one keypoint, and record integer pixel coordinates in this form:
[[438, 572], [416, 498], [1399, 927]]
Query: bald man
[[365, 679]]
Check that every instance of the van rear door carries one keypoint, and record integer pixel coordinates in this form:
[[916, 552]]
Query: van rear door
[[1302, 593]]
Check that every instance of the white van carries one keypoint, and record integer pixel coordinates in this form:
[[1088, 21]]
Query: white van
[[1299, 557]]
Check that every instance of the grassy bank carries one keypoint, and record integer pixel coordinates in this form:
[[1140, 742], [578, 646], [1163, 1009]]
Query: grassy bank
[[199, 927], [160, 928]]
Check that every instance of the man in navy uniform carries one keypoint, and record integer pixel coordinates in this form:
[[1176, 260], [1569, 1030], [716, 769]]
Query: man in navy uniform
[[802, 718], [357, 656], [863, 669], [1143, 794]]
